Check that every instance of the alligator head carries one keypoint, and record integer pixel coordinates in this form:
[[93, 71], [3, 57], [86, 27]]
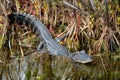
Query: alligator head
[[81, 57]]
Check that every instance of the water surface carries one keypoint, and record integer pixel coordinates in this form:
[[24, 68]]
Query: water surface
[[46, 67]]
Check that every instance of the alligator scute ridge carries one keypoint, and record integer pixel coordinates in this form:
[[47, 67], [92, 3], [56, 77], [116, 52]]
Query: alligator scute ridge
[[53, 46]]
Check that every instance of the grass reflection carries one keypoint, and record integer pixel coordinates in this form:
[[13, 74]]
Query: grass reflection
[[46, 67]]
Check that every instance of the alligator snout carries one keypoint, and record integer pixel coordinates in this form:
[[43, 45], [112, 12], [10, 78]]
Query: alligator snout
[[82, 57]]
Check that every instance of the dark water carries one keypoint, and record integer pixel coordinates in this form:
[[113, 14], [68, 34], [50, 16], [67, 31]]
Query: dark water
[[46, 67]]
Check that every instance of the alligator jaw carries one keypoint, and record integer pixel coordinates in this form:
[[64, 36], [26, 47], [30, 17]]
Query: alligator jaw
[[81, 56], [82, 61]]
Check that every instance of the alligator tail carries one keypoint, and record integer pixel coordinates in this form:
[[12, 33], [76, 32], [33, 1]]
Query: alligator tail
[[23, 19]]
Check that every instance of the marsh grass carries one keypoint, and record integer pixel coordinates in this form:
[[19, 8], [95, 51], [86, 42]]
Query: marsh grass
[[56, 68], [87, 27], [93, 26]]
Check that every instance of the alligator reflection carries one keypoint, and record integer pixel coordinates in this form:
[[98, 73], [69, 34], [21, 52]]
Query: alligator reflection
[[46, 67]]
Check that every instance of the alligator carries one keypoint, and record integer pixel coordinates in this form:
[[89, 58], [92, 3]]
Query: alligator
[[50, 43]]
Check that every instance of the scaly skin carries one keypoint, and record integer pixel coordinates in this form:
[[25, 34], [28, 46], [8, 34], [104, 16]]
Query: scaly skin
[[53, 46]]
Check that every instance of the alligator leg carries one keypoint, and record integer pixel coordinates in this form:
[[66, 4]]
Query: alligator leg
[[40, 47], [61, 38], [42, 44]]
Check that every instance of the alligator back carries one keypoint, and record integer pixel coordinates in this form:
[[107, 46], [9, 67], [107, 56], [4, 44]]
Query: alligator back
[[22, 19], [54, 47], [29, 21]]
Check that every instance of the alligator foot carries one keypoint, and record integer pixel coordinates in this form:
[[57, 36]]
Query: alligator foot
[[40, 46]]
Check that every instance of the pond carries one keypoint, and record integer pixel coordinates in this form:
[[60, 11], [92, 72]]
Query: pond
[[46, 67]]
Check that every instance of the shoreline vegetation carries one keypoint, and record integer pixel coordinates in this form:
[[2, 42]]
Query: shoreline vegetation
[[92, 25]]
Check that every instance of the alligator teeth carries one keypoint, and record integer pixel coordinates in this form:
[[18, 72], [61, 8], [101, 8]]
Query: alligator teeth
[[34, 18], [18, 12], [31, 15], [37, 19], [24, 13], [28, 14]]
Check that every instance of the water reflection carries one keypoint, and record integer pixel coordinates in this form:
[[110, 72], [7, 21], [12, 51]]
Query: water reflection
[[46, 67]]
